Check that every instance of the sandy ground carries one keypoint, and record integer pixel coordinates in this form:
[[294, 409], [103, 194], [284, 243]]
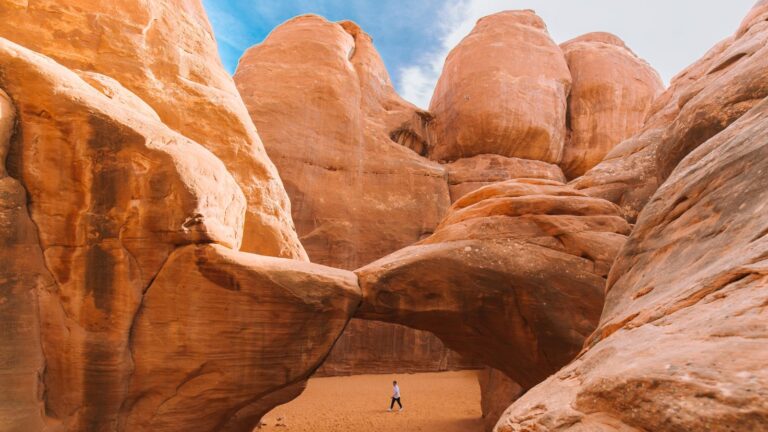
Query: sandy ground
[[433, 402]]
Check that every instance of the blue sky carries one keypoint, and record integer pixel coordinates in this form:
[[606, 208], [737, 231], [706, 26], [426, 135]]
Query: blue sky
[[414, 36]]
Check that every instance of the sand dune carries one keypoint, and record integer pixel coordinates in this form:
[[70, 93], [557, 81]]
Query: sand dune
[[434, 402]]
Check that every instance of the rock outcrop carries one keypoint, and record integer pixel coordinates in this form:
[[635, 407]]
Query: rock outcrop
[[164, 53], [700, 102], [385, 348], [119, 317], [469, 174], [503, 91], [132, 191], [346, 147], [497, 392], [681, 342], [219, 330], [325, 107], [22, 276], [515, 105], [610, 98], [513, 276]]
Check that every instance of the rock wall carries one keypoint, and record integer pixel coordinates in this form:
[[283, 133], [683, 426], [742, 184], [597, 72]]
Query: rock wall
[[134, 189], [339, 134], [164, 53], [497, 392], [22, 276], [513, 276], [681, 342], [611, 96], [700, 102], [123, 294]]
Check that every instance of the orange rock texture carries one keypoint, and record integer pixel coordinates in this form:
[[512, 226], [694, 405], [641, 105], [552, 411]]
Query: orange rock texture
[[165, 54], [503, 91], [610, 97], [513, 276], [340, 136], [497, 392], [104, 213], [681, 341], [151, 278], [322, 100], [700, 102]]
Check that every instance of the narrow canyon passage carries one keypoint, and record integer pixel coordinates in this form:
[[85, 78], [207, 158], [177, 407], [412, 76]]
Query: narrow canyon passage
[[433, 402]]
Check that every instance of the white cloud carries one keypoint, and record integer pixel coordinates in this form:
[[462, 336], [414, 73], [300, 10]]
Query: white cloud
[[669, 34]]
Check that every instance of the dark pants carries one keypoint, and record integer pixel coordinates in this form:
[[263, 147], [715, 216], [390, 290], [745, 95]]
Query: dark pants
[[394, 399]]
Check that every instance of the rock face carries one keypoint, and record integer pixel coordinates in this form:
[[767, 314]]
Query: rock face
[[611, 95], [119, 317], [134, 191], [217, 326], [516, 105], [164, 52], [497, 392], [681, 342], [340, 137], [513, 276], [377, 347], [469, 174], [503, 91], [21, 357], [701, 102], [322, 100]]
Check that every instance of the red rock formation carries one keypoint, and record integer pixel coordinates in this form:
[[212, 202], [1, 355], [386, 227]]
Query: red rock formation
[[115, 195], [503, 91], [324, 104], [701, 102], [133, 190], [497, 392], [611, 95], [513, 276], [376, 347], [22, 275], [164, 52], [681, 343], [469, 174], [219, 329]]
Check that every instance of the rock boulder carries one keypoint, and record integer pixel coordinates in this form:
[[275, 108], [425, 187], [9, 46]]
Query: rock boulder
[[503, 91]]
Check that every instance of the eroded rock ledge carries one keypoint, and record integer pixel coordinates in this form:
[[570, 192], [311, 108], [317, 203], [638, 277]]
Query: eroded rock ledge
[[513, 276]]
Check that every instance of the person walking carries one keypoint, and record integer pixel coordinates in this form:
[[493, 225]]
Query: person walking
[[395, 396]]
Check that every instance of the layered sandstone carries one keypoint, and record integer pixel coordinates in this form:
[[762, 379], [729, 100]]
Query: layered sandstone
[[610, 98], [346, 146], [502, 91], [123, 327], [469, 174], [513, 276], [701, 101], [165, 54], [681, 342]]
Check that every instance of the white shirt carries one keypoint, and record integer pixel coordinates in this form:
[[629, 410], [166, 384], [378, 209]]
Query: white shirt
[[395, 391]]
